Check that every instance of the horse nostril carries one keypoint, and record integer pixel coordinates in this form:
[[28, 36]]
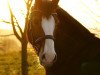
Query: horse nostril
[[55, 58]]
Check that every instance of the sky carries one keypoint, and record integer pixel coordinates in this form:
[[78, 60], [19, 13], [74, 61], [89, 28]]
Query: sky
[[86, 12]]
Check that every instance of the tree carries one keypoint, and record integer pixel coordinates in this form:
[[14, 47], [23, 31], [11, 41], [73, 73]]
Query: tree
[[23, 37]]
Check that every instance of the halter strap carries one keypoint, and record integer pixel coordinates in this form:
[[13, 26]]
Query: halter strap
[[43, 38], [49, 37]]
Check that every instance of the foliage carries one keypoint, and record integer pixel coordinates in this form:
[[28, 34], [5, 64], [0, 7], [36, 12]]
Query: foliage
[[10, 64]]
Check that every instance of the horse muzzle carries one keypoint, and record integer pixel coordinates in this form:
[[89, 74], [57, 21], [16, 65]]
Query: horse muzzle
[[46, 62]]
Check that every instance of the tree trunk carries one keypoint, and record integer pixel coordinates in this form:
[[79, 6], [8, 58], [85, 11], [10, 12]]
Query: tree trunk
[[24, 56]]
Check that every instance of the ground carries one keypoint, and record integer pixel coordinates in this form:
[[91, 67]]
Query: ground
[[10, 64]]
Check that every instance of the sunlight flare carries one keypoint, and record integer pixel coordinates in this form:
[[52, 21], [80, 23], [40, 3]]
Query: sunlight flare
[[19, 9], [86, 12]]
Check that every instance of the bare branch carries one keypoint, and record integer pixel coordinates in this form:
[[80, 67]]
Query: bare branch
[[9, 22], [13, 25], [5, 21], [6, 35], [18, 25], [14, 22], [25, 1], [28, 4]]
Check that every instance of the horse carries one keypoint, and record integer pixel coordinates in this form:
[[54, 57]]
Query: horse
[[41, 30], [62, 43]]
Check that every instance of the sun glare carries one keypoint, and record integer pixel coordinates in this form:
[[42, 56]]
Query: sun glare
[[18, 8], [87, 12], [4, 14]]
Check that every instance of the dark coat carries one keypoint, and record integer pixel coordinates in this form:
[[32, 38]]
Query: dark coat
[[74, 45]]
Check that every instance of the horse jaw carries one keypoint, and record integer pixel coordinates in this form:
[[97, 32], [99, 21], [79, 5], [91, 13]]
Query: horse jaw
[[48, 26]]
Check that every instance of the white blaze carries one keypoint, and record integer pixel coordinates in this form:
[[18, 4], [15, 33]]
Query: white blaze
[[48, 26]]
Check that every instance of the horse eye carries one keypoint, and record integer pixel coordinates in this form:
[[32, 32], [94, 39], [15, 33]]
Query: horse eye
[[36, 21]]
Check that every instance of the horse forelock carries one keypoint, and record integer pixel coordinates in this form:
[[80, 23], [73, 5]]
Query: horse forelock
[[46, 7]]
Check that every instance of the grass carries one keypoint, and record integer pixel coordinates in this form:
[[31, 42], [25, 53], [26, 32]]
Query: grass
[[10, 64]]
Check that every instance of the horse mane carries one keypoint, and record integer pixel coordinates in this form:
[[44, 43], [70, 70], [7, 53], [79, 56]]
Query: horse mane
[[73, 25]]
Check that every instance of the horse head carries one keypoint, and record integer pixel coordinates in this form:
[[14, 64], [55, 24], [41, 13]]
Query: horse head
[[42, 25]]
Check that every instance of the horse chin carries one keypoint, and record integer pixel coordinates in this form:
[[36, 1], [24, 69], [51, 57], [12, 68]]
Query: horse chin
[[46, 64]]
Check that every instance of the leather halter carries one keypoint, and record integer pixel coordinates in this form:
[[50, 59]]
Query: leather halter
[[42, 38]]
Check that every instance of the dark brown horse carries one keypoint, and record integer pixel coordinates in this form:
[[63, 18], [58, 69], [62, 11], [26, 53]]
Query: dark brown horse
[[62, 43], [43, 21]]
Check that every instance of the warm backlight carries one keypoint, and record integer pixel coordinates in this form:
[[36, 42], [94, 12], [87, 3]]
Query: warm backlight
[[85, 11], [19, 9]]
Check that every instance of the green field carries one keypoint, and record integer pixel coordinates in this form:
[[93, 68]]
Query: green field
[[10, 64]]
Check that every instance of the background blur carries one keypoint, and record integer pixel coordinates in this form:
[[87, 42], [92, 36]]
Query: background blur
[[87, 12]]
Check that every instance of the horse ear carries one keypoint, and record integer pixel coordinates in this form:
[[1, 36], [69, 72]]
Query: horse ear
[[55, 1], [38, 2]]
